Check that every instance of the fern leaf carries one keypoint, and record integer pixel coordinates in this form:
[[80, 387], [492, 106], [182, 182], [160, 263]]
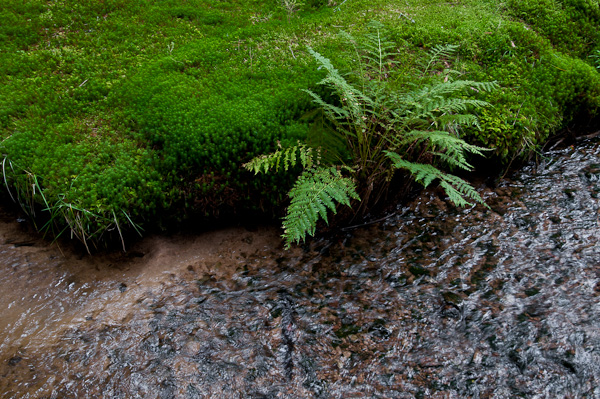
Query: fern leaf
[[450, 148], [284, 158], [451, 121], [306, 158], [377, 49], [313, 195], [458, 190], [438, 52], [289, 156], [444, 89], [333, 112], [355, 101]]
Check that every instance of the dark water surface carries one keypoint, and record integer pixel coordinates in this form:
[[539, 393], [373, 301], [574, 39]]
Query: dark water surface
[[435, 302]]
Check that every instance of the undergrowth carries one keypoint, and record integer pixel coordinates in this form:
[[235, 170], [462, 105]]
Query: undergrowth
[[138, 113], [414, 128]]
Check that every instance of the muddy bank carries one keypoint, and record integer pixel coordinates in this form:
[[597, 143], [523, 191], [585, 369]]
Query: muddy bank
[[48, 285]]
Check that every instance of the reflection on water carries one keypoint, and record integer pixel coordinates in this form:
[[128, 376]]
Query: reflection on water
[[434, 303]]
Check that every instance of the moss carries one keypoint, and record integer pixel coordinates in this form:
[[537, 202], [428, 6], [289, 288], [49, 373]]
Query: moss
[[146, 109]]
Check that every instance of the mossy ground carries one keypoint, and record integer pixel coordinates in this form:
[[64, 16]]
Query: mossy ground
[[127, 112]]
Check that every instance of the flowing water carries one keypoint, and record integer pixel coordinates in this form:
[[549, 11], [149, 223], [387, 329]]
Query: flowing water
[[433, 302]]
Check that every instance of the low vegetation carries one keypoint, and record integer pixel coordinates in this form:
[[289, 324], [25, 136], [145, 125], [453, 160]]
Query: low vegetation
[[124, 115], [380, 131]]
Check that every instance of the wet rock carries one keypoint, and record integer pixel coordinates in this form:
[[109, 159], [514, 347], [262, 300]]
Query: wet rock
[[13, 361], [287, 324], [418, 271], [378, 329]]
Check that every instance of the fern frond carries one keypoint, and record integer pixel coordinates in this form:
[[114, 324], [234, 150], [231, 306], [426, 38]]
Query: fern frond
[[437, 104], [355, 102], [377, 49], [443, 140], [458, 190], [314, 194], [452, 105], [445, 89], [438, 52], [449, 148], [284, 158], [484, 86], [333, 112], [452, 121]]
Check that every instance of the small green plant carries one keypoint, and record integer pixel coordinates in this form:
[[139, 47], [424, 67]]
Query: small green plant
[[58, 215], [385, 129], [596, 57], [314, 193], [285, 158], [291, 7]]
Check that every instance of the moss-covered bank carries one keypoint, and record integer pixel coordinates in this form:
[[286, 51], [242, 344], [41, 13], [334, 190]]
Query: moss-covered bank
[[126, 113]]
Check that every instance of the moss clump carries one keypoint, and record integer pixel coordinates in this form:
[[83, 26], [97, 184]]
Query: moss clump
[[138, 112]]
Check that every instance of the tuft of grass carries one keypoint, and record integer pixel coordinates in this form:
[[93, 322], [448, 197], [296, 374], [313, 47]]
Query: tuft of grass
[[291, 7]]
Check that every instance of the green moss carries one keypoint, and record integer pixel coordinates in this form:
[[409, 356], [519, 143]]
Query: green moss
[[145, 109], [571, 25]]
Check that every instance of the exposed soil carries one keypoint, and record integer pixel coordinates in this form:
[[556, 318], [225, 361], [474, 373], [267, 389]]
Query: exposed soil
[[43, 269]]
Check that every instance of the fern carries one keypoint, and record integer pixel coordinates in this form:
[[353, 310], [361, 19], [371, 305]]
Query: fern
[[377, 50], [373, 130], [434, 100], [596, 57], [314, 194], [378, 122], [438, 52], [444, 145], [355, 103], [284, 158], [457, 189]]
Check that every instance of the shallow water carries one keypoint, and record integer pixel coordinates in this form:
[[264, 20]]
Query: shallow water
[[435, 302]]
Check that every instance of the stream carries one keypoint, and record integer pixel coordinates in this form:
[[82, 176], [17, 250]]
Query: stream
[[433, 302]]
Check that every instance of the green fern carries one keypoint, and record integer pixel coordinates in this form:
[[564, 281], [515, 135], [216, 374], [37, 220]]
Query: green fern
[[316, 191], [382, 130], [439, 52], [378, 52], [596, 57], [355, 103], [314, 194], [284, 158], [439, 102], [457, 189], [381, 121], [447, 147]]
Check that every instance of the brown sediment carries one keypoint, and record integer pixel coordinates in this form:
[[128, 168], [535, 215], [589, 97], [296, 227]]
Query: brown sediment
[[54, 284]]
